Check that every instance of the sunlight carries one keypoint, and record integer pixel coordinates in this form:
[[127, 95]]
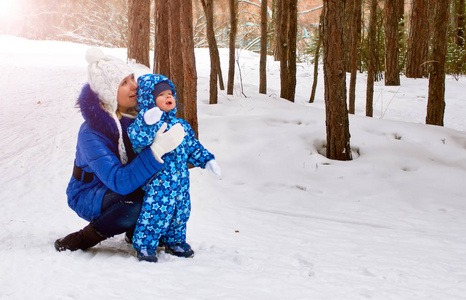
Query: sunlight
[[8, 9]]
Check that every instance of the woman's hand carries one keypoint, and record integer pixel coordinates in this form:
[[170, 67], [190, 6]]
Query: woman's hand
[[165, 142]]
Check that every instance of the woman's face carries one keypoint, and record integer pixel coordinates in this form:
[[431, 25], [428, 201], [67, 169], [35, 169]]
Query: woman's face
[[127, 91]]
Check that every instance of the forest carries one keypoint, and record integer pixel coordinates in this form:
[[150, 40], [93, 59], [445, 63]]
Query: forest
[[385, 38], [339, 126]]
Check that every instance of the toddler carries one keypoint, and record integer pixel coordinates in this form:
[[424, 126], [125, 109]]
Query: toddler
[[167, 203]]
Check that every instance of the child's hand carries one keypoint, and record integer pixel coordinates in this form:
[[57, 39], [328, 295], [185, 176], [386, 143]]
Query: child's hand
[[153, 115], [214, 167]]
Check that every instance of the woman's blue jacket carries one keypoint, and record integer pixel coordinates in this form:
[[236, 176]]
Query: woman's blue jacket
[[97, 153]]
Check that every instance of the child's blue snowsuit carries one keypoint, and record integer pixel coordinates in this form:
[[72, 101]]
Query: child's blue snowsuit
[[167, 203]]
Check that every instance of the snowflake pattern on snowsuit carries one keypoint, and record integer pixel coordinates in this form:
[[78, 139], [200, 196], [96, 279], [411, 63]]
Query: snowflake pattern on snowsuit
[[167, 203]]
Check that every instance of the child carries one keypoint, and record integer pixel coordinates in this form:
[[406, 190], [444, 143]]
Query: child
[[167, 204]]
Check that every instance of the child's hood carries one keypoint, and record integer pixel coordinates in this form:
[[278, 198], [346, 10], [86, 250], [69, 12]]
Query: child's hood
[[146, 84]]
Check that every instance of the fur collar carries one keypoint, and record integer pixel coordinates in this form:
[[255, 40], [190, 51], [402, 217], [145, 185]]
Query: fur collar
[[95, 115]]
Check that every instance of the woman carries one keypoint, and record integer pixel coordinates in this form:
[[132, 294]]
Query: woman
[[107, 175]]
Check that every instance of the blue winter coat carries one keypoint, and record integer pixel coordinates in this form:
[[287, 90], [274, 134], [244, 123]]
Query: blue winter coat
[[142, 134], [97, 153], [167, 194]]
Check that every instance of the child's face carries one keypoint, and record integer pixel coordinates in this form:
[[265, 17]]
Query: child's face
[[165, 101]]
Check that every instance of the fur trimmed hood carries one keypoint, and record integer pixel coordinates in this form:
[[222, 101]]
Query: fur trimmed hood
[[93, 113]]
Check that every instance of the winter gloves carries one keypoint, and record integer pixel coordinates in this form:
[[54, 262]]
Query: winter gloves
[[153, 115], [214, 167], [165, 142]]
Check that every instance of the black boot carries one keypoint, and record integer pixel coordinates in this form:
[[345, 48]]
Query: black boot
[[83, 239], [129, 236]]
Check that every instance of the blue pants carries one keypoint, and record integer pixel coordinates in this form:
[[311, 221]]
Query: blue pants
[[162, 218], [119, 213]]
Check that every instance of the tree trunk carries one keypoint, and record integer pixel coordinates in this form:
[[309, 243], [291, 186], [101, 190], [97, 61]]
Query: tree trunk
[[348, 13], [278, 49], [337, 124], [189, 64], [213, 51], [233, 30], [355, 45], [176, 57], [436, 101], [284, 7], [293, 36], [418, 41], [161, 51], [371, 72], [392, 41], [263, 53], [460, 22], [316, 59], [139, 31], [288, 29]]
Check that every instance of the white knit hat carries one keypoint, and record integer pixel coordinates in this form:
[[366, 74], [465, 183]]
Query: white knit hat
[[105, 73]]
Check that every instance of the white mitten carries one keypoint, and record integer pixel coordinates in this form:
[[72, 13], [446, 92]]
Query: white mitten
[[165, 142], [214, 167], [153, 115]]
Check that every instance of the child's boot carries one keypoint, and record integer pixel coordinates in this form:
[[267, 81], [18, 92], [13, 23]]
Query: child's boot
[[147, 255], [180, 250]]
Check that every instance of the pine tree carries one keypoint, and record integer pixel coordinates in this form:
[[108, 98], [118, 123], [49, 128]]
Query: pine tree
[[337, 124], [436, 101], [416, 61], [233, 30]]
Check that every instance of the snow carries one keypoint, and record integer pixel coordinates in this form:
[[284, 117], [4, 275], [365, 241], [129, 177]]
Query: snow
[[284, 222]]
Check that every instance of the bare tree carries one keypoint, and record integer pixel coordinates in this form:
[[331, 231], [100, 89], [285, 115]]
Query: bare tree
[[288, 29], [39, 19], [263, 53], [416, 61], [393, 16], [337, 123], [355, 45], [460, 21], [347, 24], [233, 30], [139, 31], [278, 49], [189, 112], [371, 69], [80, 21], [175, 40], [320, 37], [292, 36], [161, 51], [215, 69], [174, 45], [436, 101]]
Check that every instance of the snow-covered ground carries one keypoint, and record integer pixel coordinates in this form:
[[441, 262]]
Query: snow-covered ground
[[284, 222]]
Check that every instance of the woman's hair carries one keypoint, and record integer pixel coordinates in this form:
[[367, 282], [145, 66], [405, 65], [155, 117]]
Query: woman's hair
[[130, 114]]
